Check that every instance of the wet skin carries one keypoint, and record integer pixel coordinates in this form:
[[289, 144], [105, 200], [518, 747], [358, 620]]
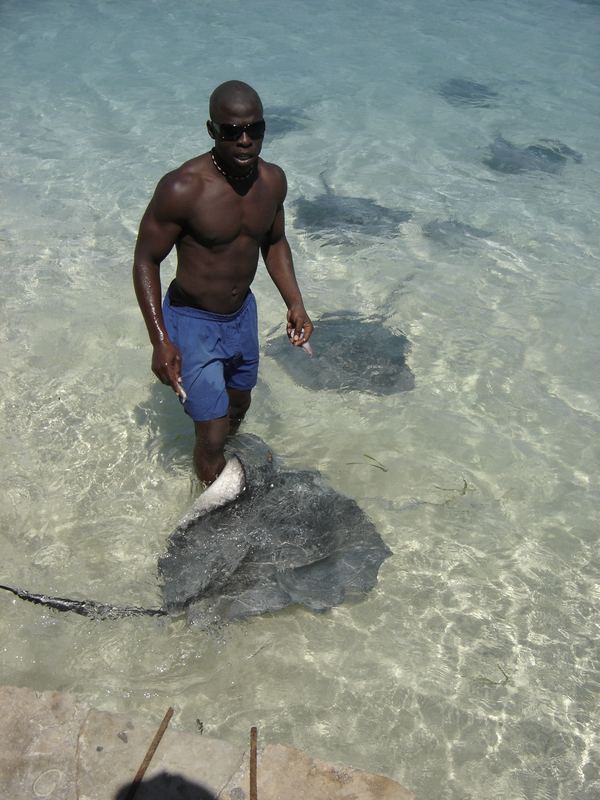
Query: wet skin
[[219, 224]]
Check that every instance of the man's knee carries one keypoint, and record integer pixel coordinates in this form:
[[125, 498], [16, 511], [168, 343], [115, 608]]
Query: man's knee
[[239, 403]]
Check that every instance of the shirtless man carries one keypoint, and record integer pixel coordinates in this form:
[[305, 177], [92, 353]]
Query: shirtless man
[[219, 210]]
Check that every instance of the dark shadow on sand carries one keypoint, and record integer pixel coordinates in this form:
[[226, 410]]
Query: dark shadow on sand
[[170, 430], [166, 786]]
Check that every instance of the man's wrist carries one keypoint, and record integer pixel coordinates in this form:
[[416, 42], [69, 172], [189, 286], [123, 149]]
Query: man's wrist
[[160, 339]]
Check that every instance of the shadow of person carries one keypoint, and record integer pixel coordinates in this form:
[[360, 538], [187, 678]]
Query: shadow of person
[[166, 786], [170, 431]]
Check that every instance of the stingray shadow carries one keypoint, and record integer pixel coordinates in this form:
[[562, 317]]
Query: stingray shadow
[[351, 353]]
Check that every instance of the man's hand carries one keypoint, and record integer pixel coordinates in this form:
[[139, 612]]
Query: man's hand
[[166, 365], [299, 326]]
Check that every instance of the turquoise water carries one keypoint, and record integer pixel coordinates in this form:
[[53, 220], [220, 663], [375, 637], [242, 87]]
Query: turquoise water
[[472, 671]]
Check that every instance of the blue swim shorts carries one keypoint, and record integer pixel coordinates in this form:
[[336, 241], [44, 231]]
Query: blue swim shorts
[[218, 351]]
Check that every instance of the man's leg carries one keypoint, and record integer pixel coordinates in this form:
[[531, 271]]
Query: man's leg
[[239, 403], [209, 459]]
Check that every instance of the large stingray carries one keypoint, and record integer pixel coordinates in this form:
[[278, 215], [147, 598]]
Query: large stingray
[[338, 218], [547, 155], [262, 537], [287, 538], [350, 353], [464, 92]]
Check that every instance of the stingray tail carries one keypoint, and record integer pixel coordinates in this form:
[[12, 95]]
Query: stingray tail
[[85, 608], [322, 175]]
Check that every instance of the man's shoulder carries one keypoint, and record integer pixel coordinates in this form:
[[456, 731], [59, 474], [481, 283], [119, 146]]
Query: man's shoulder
[[272, 171], [178, 188], [273, 175], [189, 175]]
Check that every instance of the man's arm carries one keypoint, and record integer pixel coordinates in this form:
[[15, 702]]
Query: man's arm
[[280, 266], [159, 229]]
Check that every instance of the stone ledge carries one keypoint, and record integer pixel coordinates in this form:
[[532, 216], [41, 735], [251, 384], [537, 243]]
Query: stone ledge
[[284, 773], [57, 748]]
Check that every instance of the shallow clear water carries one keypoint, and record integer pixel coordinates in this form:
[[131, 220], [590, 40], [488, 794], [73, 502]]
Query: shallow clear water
[[473, 669]]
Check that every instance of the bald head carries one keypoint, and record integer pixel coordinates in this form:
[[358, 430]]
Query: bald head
[[234, 97]]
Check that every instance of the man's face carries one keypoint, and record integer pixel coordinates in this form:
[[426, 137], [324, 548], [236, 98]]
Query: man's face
[[239, 155]]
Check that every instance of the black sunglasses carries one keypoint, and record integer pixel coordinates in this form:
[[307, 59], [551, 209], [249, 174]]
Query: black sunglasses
[[227, 132]]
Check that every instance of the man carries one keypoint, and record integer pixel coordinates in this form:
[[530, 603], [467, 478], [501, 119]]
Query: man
[[219, 210]]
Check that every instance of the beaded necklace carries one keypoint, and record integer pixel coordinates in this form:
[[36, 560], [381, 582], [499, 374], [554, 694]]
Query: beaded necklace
[[229, 177]]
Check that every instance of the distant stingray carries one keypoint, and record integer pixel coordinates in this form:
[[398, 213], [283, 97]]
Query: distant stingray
[[452, 233], [463, 92], [260, 538], [350, 353], [548, 155], [284, 119], [338, 217]]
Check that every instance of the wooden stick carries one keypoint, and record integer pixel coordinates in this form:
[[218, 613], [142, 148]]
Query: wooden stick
[[148, 757], [253, 737]]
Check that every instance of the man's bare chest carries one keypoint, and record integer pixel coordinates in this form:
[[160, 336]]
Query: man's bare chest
[[223, 217]]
